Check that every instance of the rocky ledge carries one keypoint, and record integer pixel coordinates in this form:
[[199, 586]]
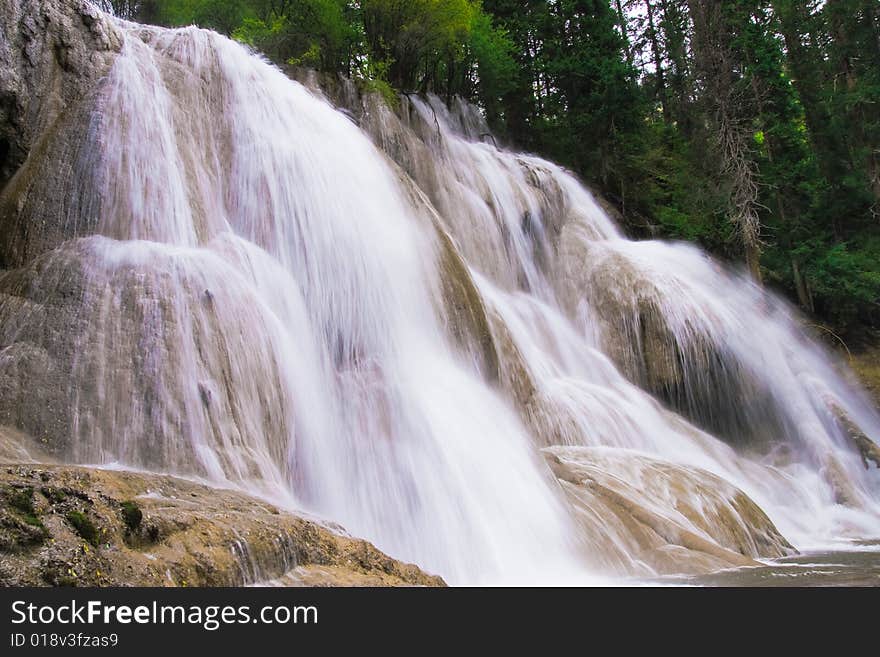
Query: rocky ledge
[[65, 525]]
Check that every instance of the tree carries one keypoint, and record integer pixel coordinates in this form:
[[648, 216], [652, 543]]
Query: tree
[[492, 51], [718, 56], [314, 33], [422, 41]]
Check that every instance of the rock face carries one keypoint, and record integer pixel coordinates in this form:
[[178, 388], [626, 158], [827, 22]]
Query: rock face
[[52, 57], [116, 335], [73, 526], [666, 339], [673, 518], [185, 355]]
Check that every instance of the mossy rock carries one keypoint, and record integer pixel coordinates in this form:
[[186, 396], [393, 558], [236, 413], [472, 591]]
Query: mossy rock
[[83, 526], [188, 535], [20, 524], [132, 515]]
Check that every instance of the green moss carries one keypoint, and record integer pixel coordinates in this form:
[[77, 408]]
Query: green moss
[[24, 525], [22, 500], [54, 495], [83, 526], [54, 575], [132, 515], [32, 520], [866, 365], [381, 87]]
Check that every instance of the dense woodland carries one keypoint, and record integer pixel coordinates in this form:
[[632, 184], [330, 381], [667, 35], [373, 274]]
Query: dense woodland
[[751, 127]]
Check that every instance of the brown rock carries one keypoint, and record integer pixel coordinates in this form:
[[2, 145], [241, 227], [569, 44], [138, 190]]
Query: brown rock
[[641, 514], [189, 535]]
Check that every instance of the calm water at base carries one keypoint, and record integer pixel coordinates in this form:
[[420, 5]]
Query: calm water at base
[[857, 567]]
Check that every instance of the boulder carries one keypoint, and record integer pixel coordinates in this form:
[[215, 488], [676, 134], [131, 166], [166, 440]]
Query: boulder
[[642, 515]]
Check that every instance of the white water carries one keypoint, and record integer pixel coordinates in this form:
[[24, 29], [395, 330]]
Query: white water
[[261, 307], [588, 301], [297, 293]]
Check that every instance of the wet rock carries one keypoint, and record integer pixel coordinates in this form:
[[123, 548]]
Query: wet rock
[[663, 339], [117, 332], [867, 448], [52, 58], [641, 514], [465, 313], [838, 480]]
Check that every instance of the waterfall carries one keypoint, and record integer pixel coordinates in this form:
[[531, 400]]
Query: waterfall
[[387, 325], [600, 320]]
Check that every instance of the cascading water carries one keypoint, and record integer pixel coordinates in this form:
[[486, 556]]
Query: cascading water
[[592, 313], [254, 293], [257, 309]]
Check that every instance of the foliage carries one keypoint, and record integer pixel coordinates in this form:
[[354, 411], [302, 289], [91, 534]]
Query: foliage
[[493, 52], [845, 280], [749, 126], [419, 39]]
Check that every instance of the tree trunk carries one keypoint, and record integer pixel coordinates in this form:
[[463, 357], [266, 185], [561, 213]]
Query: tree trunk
[[624, 32], [805, 299], [658, 63], [716, 63]]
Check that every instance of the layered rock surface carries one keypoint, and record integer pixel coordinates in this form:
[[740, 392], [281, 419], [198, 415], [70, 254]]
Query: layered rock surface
[[72, 526]]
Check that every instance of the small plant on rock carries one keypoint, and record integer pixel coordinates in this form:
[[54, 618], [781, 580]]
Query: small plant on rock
[[83, 526], [132, 515]]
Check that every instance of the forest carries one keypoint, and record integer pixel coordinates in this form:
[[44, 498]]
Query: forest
[[750, 127]]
